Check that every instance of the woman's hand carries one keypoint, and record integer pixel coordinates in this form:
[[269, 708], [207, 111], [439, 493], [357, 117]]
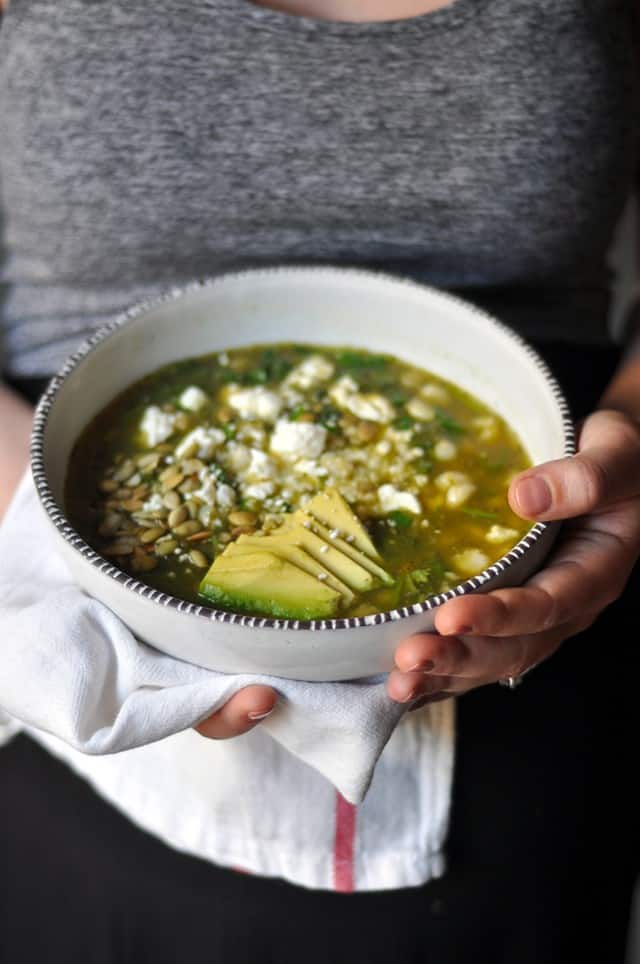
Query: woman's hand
[[503, 633], [239, 714]]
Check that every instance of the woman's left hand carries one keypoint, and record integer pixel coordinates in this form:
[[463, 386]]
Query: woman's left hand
[[485, 638]]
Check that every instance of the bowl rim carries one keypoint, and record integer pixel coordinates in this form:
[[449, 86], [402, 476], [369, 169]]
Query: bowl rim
[[58, 518]]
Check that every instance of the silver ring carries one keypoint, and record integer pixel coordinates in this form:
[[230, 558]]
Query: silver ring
[[510, 681]]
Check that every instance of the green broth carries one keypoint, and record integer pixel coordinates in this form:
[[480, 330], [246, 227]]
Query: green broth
[[443, 459]]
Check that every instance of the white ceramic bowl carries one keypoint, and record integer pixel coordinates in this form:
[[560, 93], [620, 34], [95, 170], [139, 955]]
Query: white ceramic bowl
[[318, 305]]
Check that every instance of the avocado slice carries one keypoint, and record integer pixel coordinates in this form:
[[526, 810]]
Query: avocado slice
[[329, 508], [293, 554], [265, 584], [345, 547], [354, 575]]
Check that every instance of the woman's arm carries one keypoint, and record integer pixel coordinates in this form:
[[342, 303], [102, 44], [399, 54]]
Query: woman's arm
[[15, 428]]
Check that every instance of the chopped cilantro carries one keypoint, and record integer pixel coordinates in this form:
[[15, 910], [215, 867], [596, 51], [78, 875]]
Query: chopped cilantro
[[403, 423], [480, 514], [449, 424], [403, 520]]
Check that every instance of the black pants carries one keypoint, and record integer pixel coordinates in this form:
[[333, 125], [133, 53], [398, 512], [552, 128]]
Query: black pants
[[542, 851]]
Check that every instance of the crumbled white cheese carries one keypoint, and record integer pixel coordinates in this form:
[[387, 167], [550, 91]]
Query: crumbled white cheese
[[223, 359], [200, 441], [469, 562], [260, 466], [259, 490], [446, 479], [371, 407], [298, 439], [193, 398], [421, 410], [310, 467], [486, 427], [225, 495], [435, 393], [458, 494], [157, 425], [383, 447], [237, 457], [497, 534], [154, 503], [207, 491], [309, 373], [444, 450], [391, 499], [255, 403]]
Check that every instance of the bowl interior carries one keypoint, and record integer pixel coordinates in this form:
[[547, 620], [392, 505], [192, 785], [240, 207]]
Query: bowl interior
[[322, 306]]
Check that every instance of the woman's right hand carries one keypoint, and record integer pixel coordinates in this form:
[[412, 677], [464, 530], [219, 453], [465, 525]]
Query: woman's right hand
[[239, 714]]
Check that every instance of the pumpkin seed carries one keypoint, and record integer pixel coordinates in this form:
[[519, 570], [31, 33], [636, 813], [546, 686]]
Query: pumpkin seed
[[110, 524], [238, 518], [189, 485], [172, 500], [172, 481], [125, 470], [187, 528], [152, 534], [132, 505], [190, 466], [108, 485], [198, 559], [178, 515], [164, 546], [199, 536]]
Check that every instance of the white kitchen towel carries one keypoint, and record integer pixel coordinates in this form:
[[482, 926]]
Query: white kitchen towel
[[71, 668]]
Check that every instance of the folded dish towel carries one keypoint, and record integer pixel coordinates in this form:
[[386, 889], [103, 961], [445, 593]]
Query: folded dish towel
[[70, 667]]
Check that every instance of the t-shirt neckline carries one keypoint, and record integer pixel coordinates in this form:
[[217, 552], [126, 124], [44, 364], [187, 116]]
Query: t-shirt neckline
[[445, 18]]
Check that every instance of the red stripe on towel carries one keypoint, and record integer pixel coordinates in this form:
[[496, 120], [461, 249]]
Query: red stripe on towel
[[343, 845]]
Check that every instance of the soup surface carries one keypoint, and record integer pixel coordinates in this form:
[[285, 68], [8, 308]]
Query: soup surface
[[214, 448]]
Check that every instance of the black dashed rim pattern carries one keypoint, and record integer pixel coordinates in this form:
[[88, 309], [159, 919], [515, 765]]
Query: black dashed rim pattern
[[69, 534]]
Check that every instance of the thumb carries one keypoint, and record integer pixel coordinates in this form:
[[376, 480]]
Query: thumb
[[605, 470]]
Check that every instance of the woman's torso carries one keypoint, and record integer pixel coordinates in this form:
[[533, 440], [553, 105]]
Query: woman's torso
[[485, 147]]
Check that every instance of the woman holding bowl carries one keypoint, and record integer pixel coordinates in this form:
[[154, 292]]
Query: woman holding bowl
[[483, 146]]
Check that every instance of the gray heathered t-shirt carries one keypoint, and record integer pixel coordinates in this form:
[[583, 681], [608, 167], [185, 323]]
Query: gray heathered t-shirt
[[487, 148]]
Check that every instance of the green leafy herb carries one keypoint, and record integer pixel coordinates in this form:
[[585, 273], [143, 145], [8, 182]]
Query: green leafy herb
[[330, 418], [403, 520], [229, 430], [449, 424], [420, 576], [403, 423], [355, 361], [297, 412], [480, 514]]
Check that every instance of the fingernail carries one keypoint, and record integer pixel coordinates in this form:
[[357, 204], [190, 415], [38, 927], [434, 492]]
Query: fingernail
[[260, 716], [423, 667], [413, 694], [533, 495], [462, 631]]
